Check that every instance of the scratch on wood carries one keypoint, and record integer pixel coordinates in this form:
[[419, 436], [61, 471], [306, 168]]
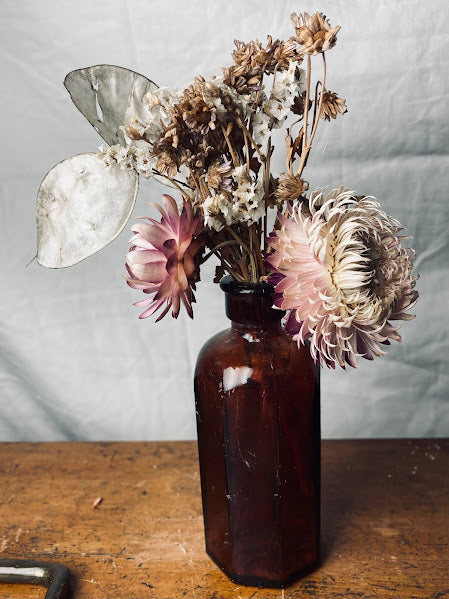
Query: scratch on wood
[[190, 562], [18, 535], [4, 545], [140, 484], [386, 532], [92, 580], [114, 453]]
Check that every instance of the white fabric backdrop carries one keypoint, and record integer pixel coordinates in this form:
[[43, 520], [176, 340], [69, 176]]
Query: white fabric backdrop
[[76, 363]]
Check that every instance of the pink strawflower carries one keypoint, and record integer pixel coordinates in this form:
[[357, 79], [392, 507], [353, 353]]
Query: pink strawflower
[[162, 259], [339, 267]]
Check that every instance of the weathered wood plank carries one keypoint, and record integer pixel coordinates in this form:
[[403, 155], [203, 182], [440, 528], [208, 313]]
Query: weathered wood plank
[[385, 520]]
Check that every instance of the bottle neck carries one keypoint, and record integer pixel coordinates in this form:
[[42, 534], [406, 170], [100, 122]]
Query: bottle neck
[[250, 305]]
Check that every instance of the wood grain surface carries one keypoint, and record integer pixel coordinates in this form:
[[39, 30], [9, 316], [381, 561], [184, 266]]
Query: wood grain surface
[[385, 520]]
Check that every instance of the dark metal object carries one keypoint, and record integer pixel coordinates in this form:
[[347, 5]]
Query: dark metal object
[[55, 577]]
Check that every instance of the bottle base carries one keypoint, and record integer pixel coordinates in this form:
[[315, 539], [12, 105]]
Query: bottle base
[[257, 581]]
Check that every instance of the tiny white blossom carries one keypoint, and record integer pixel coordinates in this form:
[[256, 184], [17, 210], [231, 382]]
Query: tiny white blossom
[[217, 211], [144, 162], [121, 154], [288, 84], [261, 127]]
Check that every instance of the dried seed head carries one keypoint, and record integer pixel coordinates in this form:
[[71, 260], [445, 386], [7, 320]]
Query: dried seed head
[[290, 188], [332, 106], [314, 33]]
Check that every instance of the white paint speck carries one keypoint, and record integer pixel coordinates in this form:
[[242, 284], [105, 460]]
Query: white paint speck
[[235, 377], [250, 338]]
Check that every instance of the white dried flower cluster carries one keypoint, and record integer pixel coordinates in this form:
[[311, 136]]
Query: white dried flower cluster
[[134, 156], [245, 204], [287, 85], [217, 211], [154, 114], [262, 125], [149, 124]]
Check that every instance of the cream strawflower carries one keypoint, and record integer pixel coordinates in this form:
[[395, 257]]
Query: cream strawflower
[[340, 269]]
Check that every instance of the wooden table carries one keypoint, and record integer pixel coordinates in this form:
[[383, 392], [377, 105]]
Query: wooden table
[[385, 512]]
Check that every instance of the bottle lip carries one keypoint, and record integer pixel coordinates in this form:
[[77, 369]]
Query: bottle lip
[[229, 285]]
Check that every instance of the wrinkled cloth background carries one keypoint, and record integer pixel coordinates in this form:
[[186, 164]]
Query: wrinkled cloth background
[[75, 361]]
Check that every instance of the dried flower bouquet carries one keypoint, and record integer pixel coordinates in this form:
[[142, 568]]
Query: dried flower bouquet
[[335, 260]]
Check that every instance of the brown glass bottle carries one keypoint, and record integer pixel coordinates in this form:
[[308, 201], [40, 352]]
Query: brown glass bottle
[[258, 421]]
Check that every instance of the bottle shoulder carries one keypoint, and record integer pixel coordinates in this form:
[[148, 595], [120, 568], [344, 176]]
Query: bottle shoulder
[[273, 351]]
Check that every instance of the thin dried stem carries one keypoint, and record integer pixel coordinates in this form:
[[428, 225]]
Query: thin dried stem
[[256, 101], [218, 247], [266, 183], [258, 251], [198, 188], [250, 137], [235, 160], [246, 152], [306, 105], [306, 149], [205, 189], [315, 124], [315, 104], [244, 247], [175, 183], [233, 273]]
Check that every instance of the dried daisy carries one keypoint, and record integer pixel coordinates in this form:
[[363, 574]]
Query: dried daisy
[[314, 33], [343, 274], [286, 53], [167, 161], [218, 175], [332, 106], [199, 116], [265, 57], [244, 80]]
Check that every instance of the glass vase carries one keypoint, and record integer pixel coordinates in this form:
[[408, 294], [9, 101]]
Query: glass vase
[[258, 422]]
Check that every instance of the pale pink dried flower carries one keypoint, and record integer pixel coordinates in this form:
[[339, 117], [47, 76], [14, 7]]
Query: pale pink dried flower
[[163, 259], [339, 268]]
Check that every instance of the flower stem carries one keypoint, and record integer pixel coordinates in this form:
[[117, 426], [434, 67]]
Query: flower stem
[[306, 105], [315, 124], [258, 251], [217, 247], [235, 160], [244, 247], [175, 183], [306, 148], [250, 137]]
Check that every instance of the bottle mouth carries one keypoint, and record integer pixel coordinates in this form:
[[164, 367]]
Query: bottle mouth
[[250, 303], [229, 285]]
